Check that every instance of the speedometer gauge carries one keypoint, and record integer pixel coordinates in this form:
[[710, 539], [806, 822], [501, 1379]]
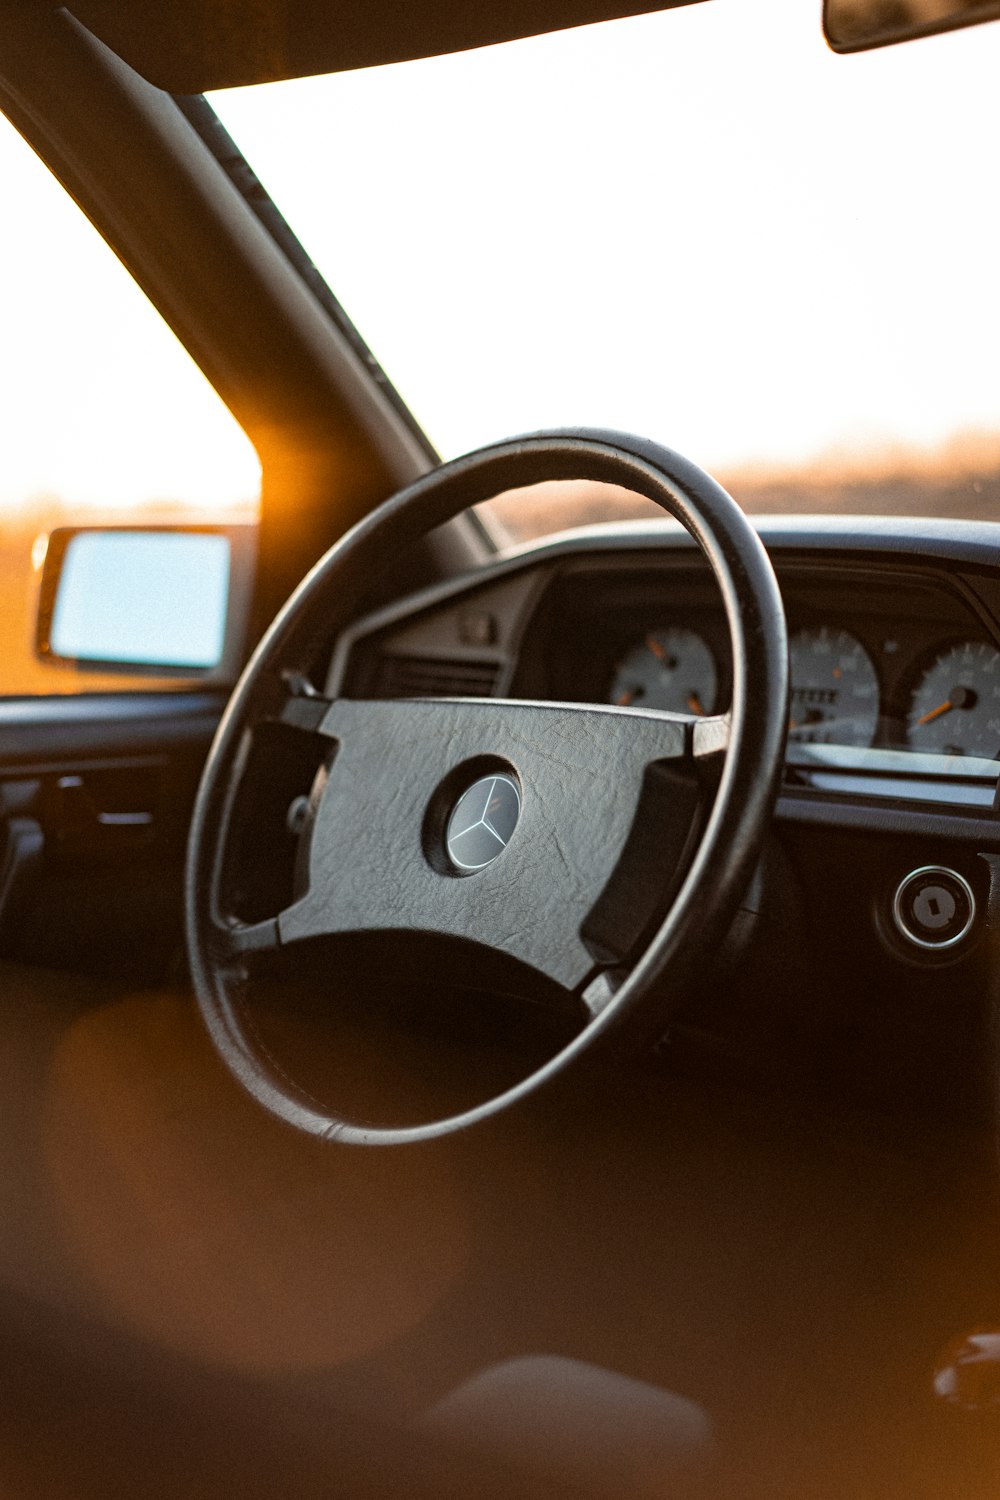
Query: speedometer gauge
[[835, 695], [668, 669], [955, 708]]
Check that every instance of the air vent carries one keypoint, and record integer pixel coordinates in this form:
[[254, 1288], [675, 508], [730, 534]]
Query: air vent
[[434, 677]]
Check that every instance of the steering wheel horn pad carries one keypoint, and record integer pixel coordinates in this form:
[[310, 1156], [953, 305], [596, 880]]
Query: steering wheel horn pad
[[382, 840]]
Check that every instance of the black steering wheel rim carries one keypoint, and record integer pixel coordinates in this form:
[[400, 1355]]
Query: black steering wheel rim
[[753, 733]]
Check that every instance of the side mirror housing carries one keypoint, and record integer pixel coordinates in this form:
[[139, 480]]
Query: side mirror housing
[[161, 600]]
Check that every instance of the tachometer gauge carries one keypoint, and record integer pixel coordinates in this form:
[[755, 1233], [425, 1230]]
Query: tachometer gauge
[[668, 669], [835, 694], [955, 708]]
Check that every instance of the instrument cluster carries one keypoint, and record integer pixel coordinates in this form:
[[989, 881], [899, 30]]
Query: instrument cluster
[[844, 691]]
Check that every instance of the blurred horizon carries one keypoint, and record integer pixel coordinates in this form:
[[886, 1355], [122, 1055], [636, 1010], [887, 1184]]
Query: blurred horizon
[[956, 479]]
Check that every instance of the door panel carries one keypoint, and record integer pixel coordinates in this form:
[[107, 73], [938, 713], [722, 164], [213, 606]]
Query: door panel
[[95, 799]]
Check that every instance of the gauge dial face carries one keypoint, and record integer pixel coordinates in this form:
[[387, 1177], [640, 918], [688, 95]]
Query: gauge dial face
[[955, 708], [669, 669], [835, 694]]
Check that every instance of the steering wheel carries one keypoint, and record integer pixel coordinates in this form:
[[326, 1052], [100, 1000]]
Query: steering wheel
[[562, 836]]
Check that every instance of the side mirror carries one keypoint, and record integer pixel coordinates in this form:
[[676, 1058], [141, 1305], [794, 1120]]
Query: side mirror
[[140, 600], [857, 25]]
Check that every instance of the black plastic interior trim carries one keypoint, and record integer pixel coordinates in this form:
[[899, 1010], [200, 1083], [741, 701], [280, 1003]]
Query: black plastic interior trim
[[56, 730], [808, 807], [193, 45]]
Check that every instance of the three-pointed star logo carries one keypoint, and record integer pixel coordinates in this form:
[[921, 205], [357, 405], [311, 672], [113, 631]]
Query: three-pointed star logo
[[482, 822]]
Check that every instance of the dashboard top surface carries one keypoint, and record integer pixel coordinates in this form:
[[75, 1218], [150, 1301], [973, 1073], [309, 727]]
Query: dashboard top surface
[[946, 539]]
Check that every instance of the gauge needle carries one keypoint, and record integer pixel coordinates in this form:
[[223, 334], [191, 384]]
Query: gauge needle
[[694, 704], [935, 713], [626, 698], [654, 645], [959, 697]]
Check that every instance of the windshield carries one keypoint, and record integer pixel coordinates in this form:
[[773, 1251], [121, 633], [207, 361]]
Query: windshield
[[699, 225]]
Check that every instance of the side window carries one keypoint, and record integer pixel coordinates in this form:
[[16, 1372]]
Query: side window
[[104, 421]]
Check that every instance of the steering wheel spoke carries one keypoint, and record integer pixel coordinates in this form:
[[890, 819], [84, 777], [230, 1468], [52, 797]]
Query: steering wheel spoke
[[303, 711], [710, 736], [237, 943]]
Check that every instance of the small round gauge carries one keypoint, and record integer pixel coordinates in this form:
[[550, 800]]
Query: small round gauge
[[955, 708], [667, 669], [835, 695]]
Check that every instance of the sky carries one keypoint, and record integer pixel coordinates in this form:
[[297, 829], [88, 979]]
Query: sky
[[699, 225]]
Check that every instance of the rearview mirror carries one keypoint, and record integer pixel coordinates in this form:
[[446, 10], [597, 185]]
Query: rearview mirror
[[857, 25], [136, 599]]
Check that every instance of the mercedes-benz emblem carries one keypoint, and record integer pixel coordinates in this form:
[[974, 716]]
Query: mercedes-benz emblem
[[482, 822]]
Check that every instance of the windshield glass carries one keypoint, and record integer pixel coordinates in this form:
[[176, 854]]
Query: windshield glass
[[699, 225]]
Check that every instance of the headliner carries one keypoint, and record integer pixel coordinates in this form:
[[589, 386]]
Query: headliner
[[190, 46]]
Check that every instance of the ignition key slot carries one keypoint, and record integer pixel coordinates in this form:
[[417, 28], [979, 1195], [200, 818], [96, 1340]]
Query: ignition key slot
[[934, 908]]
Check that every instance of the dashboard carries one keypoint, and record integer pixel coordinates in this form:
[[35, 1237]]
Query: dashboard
[[894, 643], [864, 944]]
